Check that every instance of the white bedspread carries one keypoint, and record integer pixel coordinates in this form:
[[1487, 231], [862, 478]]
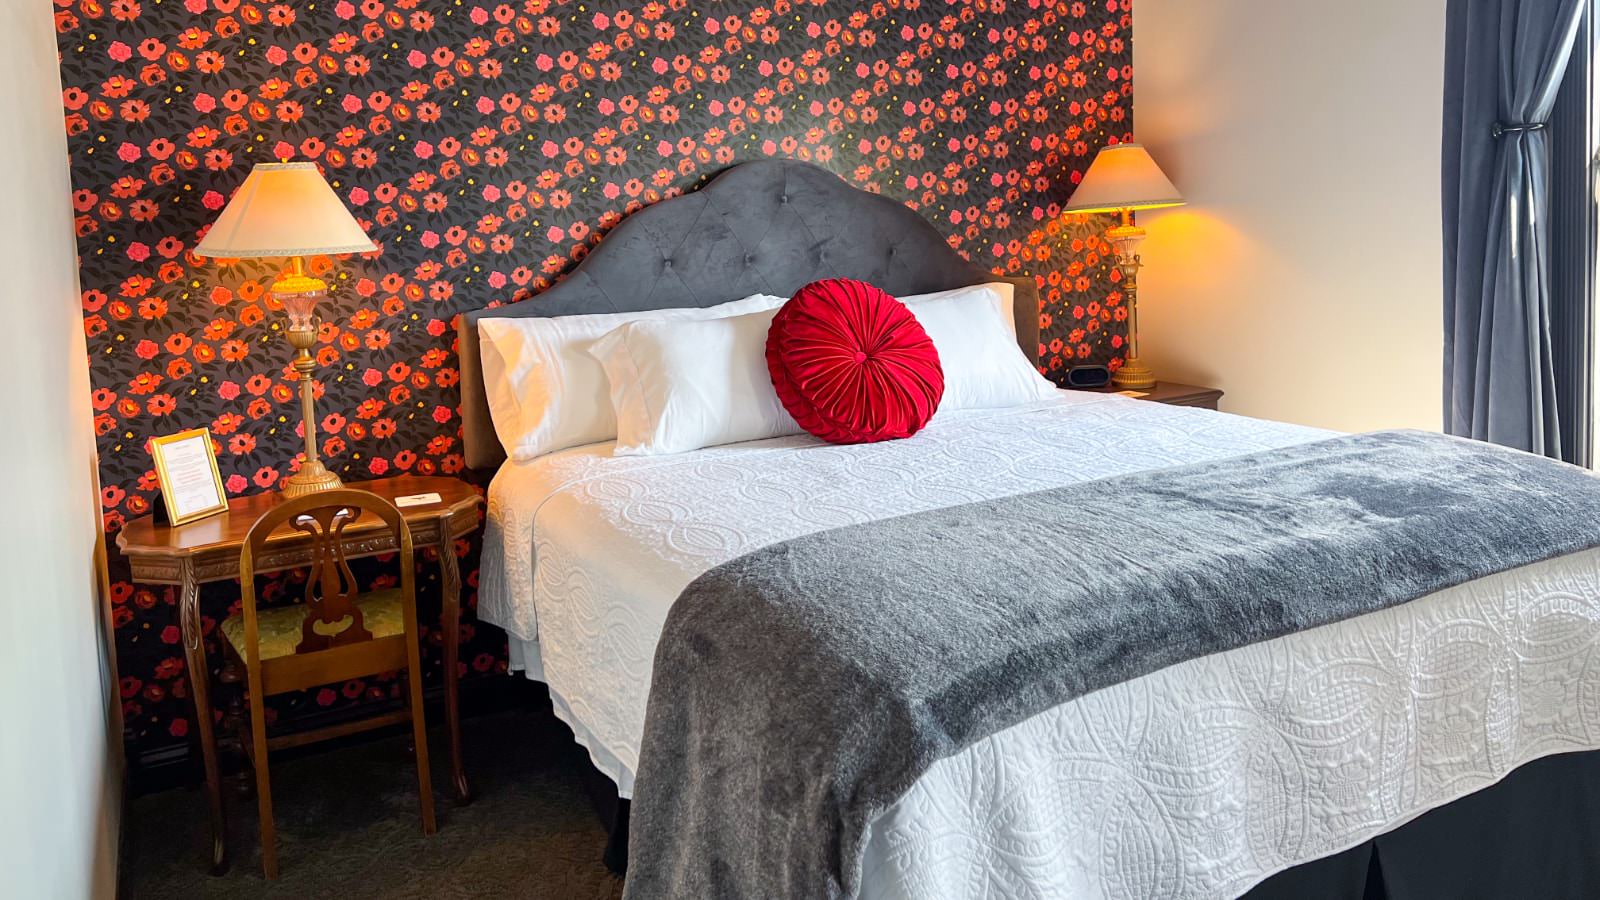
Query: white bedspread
[[1196, 781]]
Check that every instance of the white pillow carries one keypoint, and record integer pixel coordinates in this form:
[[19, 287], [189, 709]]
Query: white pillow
[[976, 337], [546, 392], [679, 385], [1004, 292]]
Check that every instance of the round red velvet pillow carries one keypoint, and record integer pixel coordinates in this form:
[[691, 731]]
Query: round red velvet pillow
[[852, 365]]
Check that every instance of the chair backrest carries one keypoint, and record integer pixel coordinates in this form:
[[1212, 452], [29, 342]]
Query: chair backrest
[[331, 591]]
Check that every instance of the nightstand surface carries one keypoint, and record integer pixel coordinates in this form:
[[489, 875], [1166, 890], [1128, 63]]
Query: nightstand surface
[[223, 534], [1173, 393]]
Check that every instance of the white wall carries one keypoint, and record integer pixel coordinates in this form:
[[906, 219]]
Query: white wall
[[60, 742], [1305, 277]]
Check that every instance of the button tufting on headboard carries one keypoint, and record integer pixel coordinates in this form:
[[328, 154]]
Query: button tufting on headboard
[[728, 240]]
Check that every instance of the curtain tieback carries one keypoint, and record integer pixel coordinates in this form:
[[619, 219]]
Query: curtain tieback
[[1504, 128]]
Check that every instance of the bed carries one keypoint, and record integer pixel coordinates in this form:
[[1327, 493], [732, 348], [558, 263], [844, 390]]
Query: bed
[[1297, 766]]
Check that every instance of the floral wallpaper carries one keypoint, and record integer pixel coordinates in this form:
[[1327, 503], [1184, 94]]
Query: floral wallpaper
[[486, 146]]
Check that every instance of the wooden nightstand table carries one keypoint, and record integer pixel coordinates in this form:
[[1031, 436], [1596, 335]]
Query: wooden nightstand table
[[1174, 394], [208, 550]]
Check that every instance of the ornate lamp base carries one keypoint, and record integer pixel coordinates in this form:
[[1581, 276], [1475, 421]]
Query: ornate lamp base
[[1134, 376], [1125, 240], [300, 293], [312, 477]]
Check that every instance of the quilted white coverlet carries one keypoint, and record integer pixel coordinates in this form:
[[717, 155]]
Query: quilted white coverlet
[[1195, 781]]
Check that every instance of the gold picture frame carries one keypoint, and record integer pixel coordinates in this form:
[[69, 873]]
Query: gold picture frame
[[186, 466]]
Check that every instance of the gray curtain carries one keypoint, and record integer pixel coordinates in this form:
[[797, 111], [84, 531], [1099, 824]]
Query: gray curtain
[[1574, 240], [1504, 62]]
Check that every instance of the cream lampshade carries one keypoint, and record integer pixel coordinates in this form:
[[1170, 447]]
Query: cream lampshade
[[1124, 178], [289, 211]]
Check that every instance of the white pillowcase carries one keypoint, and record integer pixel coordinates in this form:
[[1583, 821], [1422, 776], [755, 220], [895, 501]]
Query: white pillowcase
[[679, 385], [976, 337], [546, 392], [1004, 295]]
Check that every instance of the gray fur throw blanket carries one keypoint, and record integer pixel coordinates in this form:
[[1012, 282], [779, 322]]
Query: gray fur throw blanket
[[800, 690]]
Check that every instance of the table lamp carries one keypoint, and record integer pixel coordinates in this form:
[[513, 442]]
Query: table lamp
[[1121, 179], [289, 211]]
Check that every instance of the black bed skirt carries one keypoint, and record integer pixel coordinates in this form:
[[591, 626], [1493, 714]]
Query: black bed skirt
[[1536, 834]]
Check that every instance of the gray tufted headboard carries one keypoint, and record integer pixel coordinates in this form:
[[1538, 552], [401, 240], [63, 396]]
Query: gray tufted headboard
[[770, 226]]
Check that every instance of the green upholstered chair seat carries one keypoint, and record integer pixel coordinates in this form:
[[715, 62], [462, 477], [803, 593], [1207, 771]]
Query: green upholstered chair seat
[[280, 627]]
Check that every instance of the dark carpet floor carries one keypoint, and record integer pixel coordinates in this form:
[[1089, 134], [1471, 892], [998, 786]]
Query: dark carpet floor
[[348, 824]]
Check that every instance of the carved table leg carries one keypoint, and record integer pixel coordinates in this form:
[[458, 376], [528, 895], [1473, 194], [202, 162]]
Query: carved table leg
[[235, 719], [450, 590], [199, 686]]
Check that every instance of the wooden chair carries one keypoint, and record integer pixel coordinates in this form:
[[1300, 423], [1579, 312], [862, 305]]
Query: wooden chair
[[336, 634]]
